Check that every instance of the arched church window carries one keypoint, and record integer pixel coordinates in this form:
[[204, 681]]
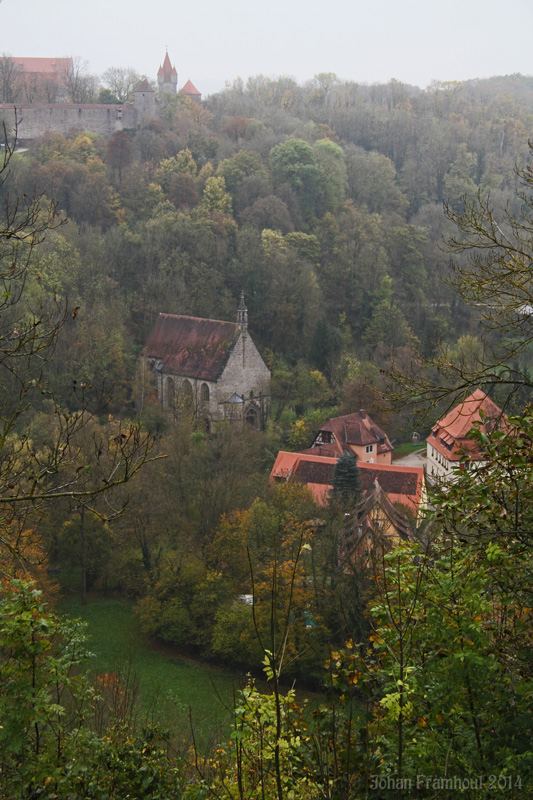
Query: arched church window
[[170, 392], [204, 393], [186, 394]]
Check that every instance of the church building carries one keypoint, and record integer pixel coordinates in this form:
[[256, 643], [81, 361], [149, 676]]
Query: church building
[[210, 367]]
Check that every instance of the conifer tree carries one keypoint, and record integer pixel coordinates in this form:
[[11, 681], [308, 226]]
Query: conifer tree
[[346, 481]]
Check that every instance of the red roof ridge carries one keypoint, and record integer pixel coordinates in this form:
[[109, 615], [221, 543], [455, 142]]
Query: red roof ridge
[[197, 319]]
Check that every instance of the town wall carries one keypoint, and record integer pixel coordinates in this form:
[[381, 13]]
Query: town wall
[[34, 121]]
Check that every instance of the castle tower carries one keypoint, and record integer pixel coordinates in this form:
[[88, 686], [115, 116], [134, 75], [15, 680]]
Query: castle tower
[[144, 101], [167, 77], [190, 90]]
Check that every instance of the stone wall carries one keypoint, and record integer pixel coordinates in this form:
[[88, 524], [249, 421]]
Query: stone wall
[[247, 375], [37, 120]]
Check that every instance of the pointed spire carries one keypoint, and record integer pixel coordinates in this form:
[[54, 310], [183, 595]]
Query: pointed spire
[[242, 314], [167, 71]]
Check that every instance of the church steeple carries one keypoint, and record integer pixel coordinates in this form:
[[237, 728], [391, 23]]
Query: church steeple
[[242, 314]]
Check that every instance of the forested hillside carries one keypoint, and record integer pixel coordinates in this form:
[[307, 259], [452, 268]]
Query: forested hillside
[[331, 206], [323, 203]]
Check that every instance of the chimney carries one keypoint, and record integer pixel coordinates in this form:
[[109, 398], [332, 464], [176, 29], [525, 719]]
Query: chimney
[[362, 413]]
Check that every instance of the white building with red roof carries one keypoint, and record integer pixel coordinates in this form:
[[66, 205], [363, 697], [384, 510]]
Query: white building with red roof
[[448, 440]]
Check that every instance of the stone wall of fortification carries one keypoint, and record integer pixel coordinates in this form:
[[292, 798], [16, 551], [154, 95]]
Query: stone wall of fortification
[[36, 120]]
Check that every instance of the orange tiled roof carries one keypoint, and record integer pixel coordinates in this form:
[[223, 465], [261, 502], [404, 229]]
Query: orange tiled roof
[[449, 435], [49, 66], [402, 485]]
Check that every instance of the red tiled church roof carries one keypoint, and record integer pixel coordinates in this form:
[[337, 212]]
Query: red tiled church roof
[[190, 346]]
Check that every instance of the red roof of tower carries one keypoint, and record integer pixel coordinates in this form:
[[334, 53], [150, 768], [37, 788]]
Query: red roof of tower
[[167, 69], [144, 86], [191, 89]]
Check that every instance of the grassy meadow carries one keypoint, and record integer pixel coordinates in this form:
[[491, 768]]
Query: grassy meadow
[[171, 689]]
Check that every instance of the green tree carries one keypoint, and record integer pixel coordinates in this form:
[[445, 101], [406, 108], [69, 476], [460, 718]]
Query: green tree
[[35, 477], [122, 82], [293, 162], [459, 181], [215, 198], [491, 274], [47, 746], [330, 160], [346, 483], [119, 152]]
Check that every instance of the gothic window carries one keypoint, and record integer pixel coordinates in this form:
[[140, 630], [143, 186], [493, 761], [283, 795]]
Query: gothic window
[[186, 394], [204, 393], [171, 392]]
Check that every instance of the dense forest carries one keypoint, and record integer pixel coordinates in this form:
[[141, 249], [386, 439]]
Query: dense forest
[[335, 208]]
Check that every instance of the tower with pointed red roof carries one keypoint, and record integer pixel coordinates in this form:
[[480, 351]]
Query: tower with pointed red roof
[[167, 77], [191, 91]]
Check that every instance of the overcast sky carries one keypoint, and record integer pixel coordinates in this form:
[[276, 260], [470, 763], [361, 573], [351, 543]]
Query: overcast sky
[[210, 42]]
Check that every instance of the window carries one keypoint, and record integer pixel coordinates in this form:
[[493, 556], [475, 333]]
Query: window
[[186, 394], [171, 392], [370, 448], [204, 393]]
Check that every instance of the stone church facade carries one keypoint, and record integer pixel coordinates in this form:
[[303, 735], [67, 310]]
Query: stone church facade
[[207, 367]]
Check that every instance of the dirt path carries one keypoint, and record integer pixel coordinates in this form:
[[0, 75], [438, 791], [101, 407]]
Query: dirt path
[[417, 459]]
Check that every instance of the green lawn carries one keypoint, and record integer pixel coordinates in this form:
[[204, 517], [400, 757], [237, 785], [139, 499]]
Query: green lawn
[[407, 447], [168, 684]]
